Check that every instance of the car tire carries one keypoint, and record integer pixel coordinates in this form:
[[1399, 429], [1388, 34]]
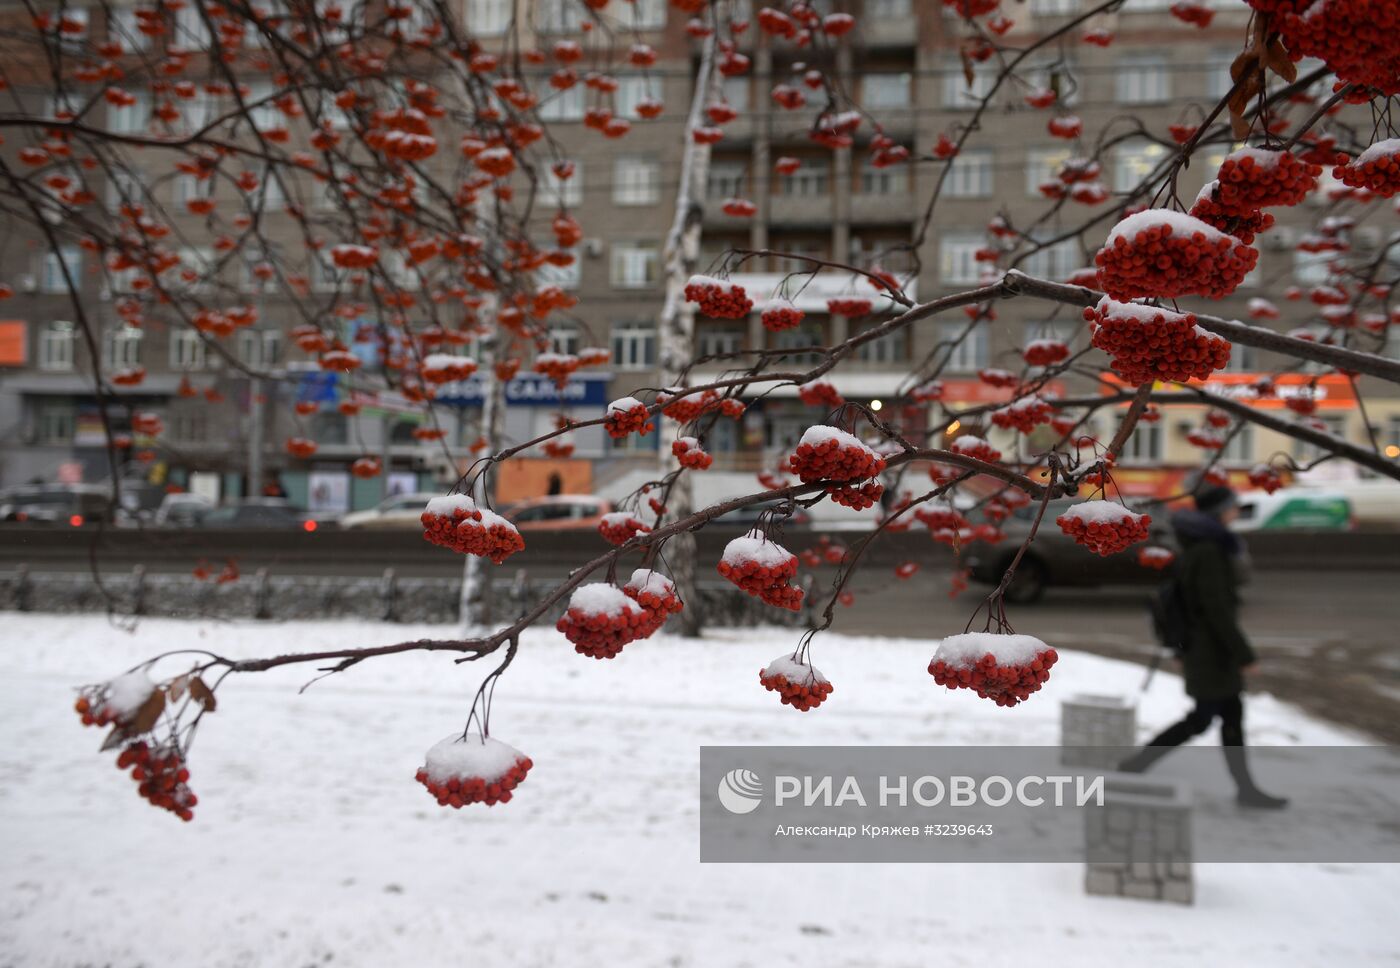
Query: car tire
[[1028, 584]]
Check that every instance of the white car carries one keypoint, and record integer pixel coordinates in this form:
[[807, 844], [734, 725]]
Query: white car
[[399, 511]]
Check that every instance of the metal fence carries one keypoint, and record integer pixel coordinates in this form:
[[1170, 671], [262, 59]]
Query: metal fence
[[263, 595]]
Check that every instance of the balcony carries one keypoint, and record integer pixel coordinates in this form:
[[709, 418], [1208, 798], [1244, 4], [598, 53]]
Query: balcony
[[890, 208], [886, 32]]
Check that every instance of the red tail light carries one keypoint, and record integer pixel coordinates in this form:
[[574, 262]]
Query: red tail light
[[76, 520], [308, 525]]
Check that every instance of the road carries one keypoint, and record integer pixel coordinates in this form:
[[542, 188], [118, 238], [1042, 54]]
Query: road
[[1325, 629]]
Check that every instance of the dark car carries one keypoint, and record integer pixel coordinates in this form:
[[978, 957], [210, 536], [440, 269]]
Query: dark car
[[747, 518], [258, 512], [1054, 559], [72, 505]]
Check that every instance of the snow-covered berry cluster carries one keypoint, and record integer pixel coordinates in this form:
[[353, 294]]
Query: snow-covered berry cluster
[[1003, 668], [995, 377], [461, 770], [490, 536], [1377, 169], [1354, 38], [763, 568], [1253, 178], [656, 594], [797, 683], [857, 498], [849, 306], [1024, 414], [1266, 478], [1205, 438], [826, 453], [975, 447], [1155, 557], [627, 415], [936, 517], [689, 453], [441, 517], [687, 408], [161, 775], [114, 702], [302, 447], [445, 368], [1163, 253], [1045, 352], [1149, 343], [820, 393], [780, 314], [557, 366], [1104, 527], [718, 298], [1242, 225], [620, 527], [601, 619]]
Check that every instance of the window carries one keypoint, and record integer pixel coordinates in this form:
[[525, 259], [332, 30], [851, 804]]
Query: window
[[262, 107], [736, 93], [563, 105], [725, 179], [338, 117], [123, 188], [878, 10], [488, 17], [634, 346], [635, 265], [957, 263], [330, 427], [191, 426], [564, 339], [1054, 8], [133, 118], [885, 91], [813, 178], [648, 14], [1218, 81], [1242, 359], [564, 191], [186, 350], [957, 94], [970, 353], [122, 348], [122, 26], [54, 422], [567, 277], [636, 181], [970, 175], [883, 181], [74, 40], [807, 333], [884, 350], [1042, 165], [1060, 329], [559, 16], [719, 339], [254, 274], [187, 188], [1144, 445], [191, 32], [1240, 447], [56, 347], [632, 89], [1056, 75], [1054, 262], [52, 278], [1311, 268], [260, 348], [1143, 80], [1336, 425], [1134, 163]]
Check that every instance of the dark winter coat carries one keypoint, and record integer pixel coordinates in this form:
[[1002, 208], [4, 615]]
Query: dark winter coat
[[1209, 575]]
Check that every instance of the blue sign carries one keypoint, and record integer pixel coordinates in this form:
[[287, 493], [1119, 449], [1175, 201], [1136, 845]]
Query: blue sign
[[317, 385], [531, 390]]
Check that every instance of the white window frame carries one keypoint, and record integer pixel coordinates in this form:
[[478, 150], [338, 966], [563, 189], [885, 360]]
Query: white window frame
[[634, 346], [957, 263], [635, 264], [56, 346], [187, 349], [636, 180], [971, 354], [1134, 162], [1143, 79], [971, 175], [891, 90], [51, 279], [121, 347]]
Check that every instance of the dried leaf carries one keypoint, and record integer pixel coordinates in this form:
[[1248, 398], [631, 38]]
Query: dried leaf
[[202, 694], [1239, 101], [176, 689], [1242, 64], [969, 72], [145, 719], [1278, 61], [1239, 127], [114, 739]]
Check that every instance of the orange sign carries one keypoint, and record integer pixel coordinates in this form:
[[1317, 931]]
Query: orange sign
[[14, 342], [975, 391], [1332, 390]]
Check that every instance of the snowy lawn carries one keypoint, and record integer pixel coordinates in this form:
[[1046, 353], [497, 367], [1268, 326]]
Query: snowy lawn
[[313, 845]]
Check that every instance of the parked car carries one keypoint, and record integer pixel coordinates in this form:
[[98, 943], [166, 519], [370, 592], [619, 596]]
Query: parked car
[[258, 513], [558, 512], [747, 518], [399, 511], [1054, 558], [73, 505], [182, 510], [1294, 507]]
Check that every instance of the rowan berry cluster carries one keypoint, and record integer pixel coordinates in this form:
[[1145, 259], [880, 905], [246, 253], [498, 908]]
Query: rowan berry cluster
[[857, 498], [161, 775], [820, 393], [1003, 681], [620, 527], [797, 683], [851, 306], [300, 446], [1355, 38], [762, 568], [1253, 178], [780, 314], [686, 409], [1158, 559], [464, 770], [994, 377], [443, 515], [600, 620], [627, 415], [688, 453], [557, 366], [354, 256], [1024, 414], [1242, 225], [717, 298], [1045, 352], [975, 447], [446, 368], [936, 517], [1104, 527], [1149, 343], [1265, 478], [1377, 169], [1168, 254], [828, 454], [656, 594], [490, 536]]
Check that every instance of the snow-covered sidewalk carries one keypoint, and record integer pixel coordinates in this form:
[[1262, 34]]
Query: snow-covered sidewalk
[[312, 844]]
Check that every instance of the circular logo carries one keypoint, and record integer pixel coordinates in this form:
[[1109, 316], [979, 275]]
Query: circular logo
[[740, 791]]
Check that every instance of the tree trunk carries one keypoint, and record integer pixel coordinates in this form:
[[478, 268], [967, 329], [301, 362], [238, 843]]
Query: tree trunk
[[475, 599], [676, 330]]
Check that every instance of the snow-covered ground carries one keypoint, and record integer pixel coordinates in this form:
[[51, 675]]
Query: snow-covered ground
[[312, 844]]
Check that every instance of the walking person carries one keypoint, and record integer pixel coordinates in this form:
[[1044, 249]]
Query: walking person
[[1217, 654]]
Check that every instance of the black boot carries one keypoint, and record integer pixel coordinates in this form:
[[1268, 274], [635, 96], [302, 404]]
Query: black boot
[[1143, 758], [1249, 795]]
